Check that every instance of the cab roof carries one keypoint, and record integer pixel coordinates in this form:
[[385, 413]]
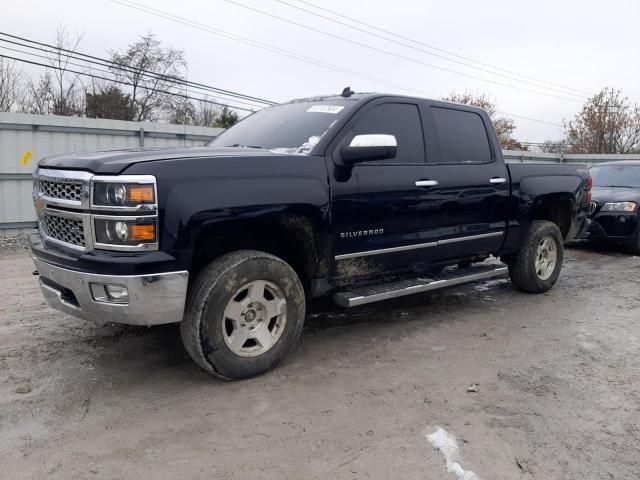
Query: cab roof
[[366, 96]]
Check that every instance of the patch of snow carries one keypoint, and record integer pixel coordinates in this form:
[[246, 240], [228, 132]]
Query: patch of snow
[[446, 444], [483, 287], [305, 148]]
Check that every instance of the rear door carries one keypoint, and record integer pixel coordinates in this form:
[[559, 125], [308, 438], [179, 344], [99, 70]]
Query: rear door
[[468, 202]]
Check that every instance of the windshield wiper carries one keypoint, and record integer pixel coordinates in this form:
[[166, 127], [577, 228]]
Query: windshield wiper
[[238, 145]]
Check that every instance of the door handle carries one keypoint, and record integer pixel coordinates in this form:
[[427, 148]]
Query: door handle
[[497, 180], [426, 183]]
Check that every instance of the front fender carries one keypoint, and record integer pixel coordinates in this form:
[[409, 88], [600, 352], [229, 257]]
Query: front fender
[[197, 194]]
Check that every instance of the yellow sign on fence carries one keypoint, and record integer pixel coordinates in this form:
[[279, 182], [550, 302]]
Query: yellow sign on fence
[[26, 158]]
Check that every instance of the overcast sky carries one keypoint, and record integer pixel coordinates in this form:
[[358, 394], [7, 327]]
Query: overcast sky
[[583, 45]]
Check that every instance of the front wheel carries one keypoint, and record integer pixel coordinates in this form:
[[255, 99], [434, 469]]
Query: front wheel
[[244, 313], [536, 267]]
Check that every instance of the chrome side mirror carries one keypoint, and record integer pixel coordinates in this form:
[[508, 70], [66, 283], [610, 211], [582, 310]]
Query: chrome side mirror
[[368, 147]]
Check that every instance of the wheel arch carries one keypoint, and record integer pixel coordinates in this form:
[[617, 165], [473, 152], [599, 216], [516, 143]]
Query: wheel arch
[[295, 236], [556, 208]]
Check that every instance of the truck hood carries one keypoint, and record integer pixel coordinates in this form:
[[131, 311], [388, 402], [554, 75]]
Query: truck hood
[[615, 194], [113, 162]]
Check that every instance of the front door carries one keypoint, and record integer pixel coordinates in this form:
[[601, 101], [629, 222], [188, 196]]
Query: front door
[[379, 209]]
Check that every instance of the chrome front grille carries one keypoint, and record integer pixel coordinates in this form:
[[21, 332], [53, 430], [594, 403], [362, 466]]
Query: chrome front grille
[[60, 190], [61, 198], [63, 229]]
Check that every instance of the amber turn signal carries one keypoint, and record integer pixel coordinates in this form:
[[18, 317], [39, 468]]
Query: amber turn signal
[[142, 232], [141, 194]]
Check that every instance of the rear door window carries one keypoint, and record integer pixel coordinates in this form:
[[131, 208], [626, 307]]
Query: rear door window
[[462, 136]]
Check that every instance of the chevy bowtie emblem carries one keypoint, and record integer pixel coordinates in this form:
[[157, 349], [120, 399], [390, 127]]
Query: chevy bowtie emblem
[[39, 204]]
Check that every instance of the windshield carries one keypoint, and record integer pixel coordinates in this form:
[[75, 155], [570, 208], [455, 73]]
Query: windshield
[[289, 128], [616, 176]]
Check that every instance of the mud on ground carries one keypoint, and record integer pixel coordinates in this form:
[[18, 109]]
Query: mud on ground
[[557, 375]]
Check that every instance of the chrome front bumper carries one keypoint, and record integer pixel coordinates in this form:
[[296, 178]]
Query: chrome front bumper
[[153, 299]]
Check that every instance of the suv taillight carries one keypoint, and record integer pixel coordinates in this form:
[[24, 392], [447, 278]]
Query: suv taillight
[[589, 187]]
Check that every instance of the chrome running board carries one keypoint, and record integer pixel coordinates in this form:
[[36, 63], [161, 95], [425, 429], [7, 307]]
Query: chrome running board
[[375, 293]]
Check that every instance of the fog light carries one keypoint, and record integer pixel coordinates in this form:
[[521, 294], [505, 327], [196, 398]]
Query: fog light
[[109, 293], [117, 292]]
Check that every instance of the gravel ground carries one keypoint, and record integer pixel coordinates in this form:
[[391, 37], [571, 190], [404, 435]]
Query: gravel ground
[[13, 244], [557, 379]]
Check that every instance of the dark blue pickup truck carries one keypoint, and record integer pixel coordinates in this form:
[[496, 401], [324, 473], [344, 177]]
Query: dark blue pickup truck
[[361, 197]]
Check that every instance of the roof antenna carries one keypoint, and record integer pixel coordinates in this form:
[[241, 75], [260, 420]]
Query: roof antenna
[[347, 92]]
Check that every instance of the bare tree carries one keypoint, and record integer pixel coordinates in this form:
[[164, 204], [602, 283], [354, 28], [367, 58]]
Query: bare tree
[[39, 96], [11, 78], [206, 113], [66, 94], [203, 113], [553, 146], [57, 91], [607, 123], [146, 90], [504, 126], [183, 112]]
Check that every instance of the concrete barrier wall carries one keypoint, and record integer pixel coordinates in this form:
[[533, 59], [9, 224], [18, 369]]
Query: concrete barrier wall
[[517, 156]]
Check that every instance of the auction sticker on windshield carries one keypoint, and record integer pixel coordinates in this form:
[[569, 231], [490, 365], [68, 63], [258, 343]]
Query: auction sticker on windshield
[[325, 109]]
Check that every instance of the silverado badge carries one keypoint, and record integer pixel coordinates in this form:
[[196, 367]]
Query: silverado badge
[[362, 233]]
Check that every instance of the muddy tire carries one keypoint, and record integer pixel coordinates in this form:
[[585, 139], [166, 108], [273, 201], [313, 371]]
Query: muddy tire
[[244, 314], [536, 267]]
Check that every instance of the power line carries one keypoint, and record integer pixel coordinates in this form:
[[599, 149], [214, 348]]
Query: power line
[[129, 68], [98, 77], [530, 119], [261, 45], [279, 51], [401, 56], [417, 42], [205, 100], [93, 69]]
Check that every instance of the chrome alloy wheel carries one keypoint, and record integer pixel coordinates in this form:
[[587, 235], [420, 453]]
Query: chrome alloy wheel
[[546, 258], [254, 318]]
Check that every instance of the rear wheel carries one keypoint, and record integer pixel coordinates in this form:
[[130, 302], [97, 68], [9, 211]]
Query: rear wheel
[[536, 267], [244, 313]]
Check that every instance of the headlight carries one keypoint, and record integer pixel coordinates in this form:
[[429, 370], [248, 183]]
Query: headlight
[[125, 232], [132, 192], [619, 207], [125, 214]]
